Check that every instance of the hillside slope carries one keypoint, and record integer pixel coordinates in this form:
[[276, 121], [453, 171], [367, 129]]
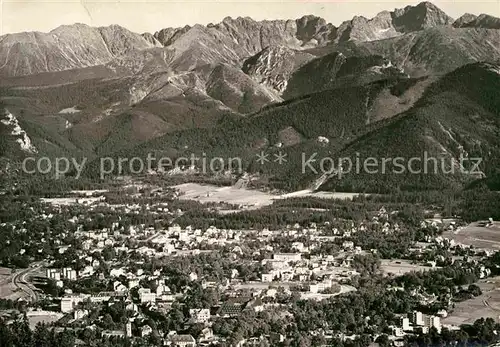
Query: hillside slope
[[454, 116]]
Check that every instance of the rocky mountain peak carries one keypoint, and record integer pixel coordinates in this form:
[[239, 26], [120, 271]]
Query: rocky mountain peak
[[168, 36], [70, 27], [422, 16], [313, 28], [463, 20], [481, 21], [390, 24]]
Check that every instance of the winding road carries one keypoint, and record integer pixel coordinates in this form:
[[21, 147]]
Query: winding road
[[19, 281]]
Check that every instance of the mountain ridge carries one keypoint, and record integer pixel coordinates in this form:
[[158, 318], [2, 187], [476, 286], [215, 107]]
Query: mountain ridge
[[230, 41]]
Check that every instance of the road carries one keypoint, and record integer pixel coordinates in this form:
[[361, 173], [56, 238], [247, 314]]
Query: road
[[487, 304], [19, 281]]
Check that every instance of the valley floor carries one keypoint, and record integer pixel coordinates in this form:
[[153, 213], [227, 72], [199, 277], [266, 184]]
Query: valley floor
[[246, 198], [485, 305], [482, 237]]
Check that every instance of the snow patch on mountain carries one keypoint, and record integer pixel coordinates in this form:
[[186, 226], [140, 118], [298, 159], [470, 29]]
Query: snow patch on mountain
[[495, 69], [23, 138], [69, 110], [460, 147]]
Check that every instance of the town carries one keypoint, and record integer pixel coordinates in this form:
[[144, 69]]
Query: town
[[137, 263]]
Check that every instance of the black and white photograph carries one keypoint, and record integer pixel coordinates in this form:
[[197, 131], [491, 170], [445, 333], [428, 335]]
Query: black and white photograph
[[249, 173]]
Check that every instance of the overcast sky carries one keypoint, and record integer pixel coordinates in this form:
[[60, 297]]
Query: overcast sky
[[152, 15]]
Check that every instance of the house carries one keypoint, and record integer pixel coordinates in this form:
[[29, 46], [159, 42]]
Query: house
[[119, 287], [68, 303], [287, 276], [193, 276], [146, 330], [132, 307], [133, 283], [267, 277], [113, 333], [200, 315], [207, 334], [87, 271], [146, 297], [299, 246], [182, 341], [161, 289], [79, 314], [348, 245], [255, 304], [117, 272], [287, 257]]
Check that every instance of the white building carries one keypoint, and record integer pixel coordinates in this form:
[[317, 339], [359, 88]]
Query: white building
[[405, 323], [287, 257], [398, 332], [53, 274], [182, 341], [133, 283], [69, 273], [348, 244], [200, 315], [417, 318], [79, 314], [183, 236], [68, 303], [434, 322], [128, 329], [267, 277], [147, 297], [320, 286], [146, 330]]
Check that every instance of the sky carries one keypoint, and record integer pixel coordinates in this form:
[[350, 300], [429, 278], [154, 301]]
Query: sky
[[152, 15]]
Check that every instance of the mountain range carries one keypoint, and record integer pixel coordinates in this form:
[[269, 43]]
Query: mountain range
[[407, 81]]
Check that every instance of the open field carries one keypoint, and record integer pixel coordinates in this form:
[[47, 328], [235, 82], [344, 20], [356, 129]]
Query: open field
[[230, 195], [322, 195], [400, 267], [72, 201], [245, 197], [5, 274], [485, 305], [487, 238], [7, 289], [89, 192], [316, 296]]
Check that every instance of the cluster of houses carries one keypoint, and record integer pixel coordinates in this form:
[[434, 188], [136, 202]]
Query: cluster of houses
[[417, 322], [315, 274]]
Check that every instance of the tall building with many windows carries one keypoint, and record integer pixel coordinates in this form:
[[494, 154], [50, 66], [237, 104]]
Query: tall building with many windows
[[417, 318]]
